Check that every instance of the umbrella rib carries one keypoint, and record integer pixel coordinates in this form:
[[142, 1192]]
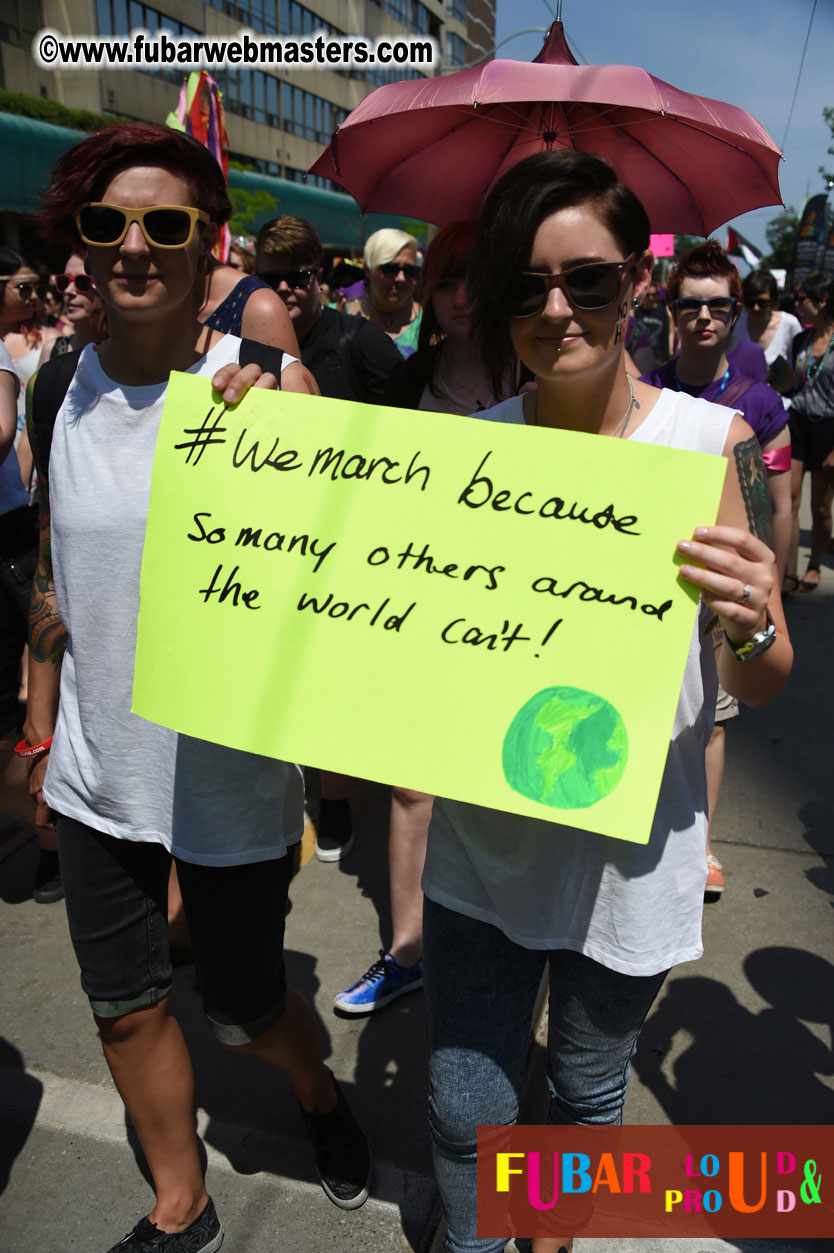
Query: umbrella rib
[[616, 126], [603, 116], [509, 146]]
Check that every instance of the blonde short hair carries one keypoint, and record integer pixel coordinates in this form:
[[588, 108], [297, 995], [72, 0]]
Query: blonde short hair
[[384, 245]]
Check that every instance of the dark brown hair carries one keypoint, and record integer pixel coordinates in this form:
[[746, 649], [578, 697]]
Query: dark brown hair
[[519, 202], [295, 237]]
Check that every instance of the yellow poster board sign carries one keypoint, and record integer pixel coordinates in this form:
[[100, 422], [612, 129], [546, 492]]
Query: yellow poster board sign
[[481, 611]]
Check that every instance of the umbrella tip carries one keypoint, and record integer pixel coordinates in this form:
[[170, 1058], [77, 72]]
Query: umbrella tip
[[555, 50]]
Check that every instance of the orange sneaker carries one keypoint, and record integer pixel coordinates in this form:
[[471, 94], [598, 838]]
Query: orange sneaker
[[715, 879]]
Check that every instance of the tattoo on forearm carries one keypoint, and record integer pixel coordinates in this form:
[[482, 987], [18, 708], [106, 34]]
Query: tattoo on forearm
[[752, 476]]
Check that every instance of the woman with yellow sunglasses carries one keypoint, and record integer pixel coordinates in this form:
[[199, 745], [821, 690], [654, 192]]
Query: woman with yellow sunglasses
[[126, 795]]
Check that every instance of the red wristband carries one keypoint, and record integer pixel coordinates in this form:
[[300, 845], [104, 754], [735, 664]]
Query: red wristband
[[33, 750]]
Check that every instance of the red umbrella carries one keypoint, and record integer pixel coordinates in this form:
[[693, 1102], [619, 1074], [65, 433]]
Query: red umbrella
[[432, 149]]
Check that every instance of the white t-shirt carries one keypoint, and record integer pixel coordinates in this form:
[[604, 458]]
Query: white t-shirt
[[109, 768], [634, 908], [780, 345]]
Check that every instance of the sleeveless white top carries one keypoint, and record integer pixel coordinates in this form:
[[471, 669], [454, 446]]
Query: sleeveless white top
[[634, 908], [109, 768]]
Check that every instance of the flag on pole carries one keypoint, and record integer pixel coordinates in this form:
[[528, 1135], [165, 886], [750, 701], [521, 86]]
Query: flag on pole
[[738, 246], [200, 113]]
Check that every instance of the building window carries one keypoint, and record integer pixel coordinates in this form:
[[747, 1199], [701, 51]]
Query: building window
[[456, 9], [455, 49], [118, 17]]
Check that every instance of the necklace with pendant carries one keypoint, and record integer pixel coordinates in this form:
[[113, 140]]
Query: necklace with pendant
[[633, 404]]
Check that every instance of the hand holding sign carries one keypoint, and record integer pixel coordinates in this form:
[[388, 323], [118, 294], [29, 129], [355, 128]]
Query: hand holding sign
[[485, 612]]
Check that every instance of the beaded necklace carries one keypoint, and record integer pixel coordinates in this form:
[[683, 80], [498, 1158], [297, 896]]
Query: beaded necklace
[[812, 377]]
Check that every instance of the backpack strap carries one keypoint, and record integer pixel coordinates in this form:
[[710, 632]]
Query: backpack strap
[[49, 387], [735, 391], [269, 358]]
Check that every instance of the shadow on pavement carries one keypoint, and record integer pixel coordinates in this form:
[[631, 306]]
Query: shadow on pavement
[[740, 1066], [20, 1098]]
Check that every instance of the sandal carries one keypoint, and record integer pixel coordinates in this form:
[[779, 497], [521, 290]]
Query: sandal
[[792, 589], [805, 585]]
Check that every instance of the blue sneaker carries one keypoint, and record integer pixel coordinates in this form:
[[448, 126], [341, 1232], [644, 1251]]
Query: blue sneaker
[[382, 983]]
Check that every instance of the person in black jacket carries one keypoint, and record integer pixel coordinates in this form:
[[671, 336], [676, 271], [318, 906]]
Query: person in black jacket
[[349, 357]]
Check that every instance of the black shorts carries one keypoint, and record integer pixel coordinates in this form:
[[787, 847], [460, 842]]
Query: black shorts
[[811, 442], [117, 894]]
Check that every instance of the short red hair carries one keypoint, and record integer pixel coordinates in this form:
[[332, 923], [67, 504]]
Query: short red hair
[[707, 260], [81, 175]]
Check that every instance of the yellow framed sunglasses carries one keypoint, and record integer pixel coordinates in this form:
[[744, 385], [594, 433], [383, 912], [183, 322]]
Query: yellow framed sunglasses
[[164, 225]]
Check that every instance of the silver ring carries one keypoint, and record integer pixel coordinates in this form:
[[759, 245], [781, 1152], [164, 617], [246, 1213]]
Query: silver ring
[[746, 596]]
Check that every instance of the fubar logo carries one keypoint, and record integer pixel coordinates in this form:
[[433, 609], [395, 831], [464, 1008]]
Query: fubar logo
[[644, 1182]]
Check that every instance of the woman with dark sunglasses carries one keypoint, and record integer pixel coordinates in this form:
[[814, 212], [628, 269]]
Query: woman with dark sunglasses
[[20, 331], [131, 795], [765, 324], [391, 274], [561, 252], [83, 308], [704, 293]]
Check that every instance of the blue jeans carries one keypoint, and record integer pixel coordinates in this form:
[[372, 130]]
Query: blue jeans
[[480, 993]]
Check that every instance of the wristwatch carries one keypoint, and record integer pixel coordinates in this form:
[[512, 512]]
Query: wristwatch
[[754, 647]]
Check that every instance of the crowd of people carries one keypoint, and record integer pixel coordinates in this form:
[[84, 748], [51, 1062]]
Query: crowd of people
[[546, 311]]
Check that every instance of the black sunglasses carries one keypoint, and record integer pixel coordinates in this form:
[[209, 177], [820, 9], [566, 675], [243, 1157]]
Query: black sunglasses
[[25, 290], [721, 307], [298, 280], [390, 269], [758, 302], [83, 283], [594, 286]]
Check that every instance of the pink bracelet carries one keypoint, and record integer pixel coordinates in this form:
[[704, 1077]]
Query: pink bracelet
[[33, 750]]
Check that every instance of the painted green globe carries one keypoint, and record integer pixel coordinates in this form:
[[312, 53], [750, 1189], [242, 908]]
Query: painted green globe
[[566, 748]]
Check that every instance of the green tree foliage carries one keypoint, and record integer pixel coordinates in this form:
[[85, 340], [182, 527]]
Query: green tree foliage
[[780, 233], [684, 242], [828, 118], [248, 207]]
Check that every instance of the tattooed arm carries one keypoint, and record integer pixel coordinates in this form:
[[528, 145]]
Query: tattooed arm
[[47, 642], [733, 556]]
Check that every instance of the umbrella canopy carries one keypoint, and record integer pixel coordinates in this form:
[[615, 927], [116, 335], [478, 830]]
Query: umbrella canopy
[[434, 148]]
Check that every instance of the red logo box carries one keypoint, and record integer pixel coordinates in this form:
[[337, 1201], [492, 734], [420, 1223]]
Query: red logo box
[[656, 1182]]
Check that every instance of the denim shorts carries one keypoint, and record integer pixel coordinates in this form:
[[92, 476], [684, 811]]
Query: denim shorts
[[116, 896]]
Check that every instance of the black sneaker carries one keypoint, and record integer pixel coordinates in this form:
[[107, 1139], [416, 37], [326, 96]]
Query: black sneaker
[[343, 1158], [205, 1235], [49, 886], [334, 838]]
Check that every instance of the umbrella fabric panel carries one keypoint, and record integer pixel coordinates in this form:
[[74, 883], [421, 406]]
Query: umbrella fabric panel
[[417, 168], [433, 148]]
